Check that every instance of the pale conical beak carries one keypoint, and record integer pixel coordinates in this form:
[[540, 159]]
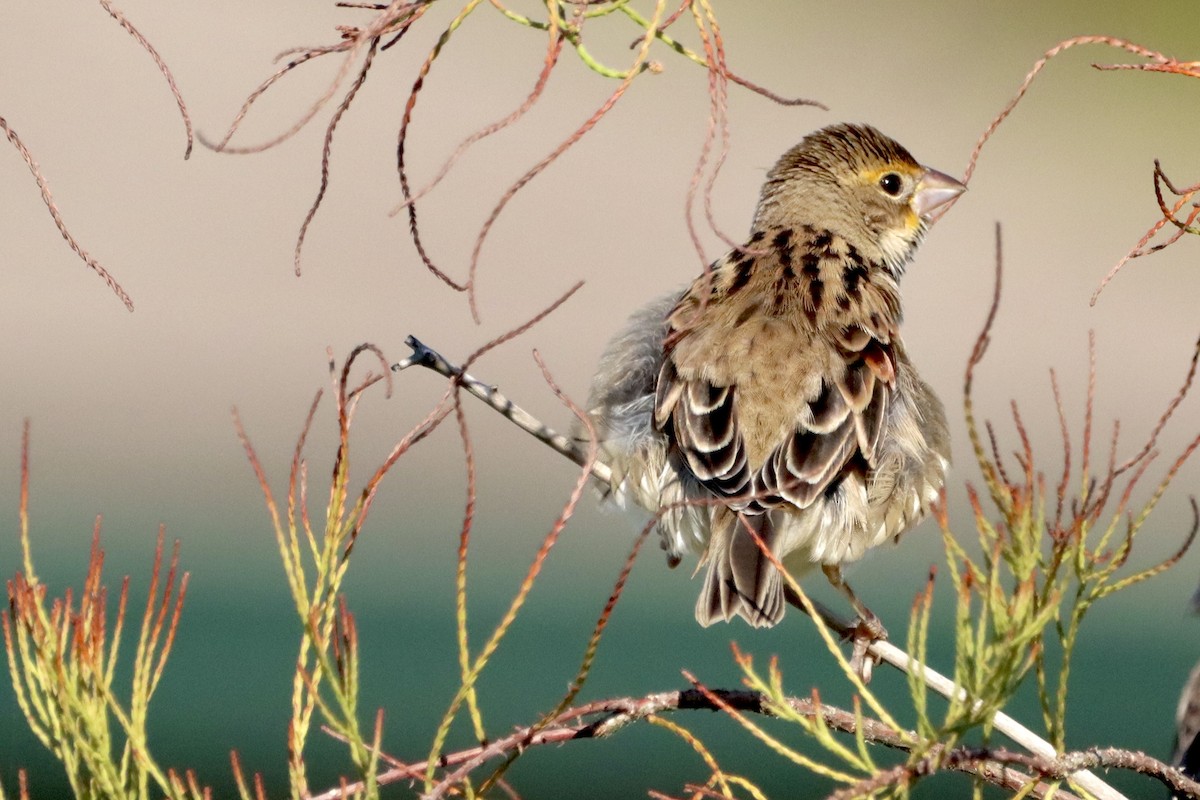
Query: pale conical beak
[[934, 190]]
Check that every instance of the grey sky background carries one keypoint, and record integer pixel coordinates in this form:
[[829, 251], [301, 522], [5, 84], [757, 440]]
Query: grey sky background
[[131, 412]]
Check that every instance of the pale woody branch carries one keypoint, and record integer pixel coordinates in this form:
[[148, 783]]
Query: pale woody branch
[[429, 358]]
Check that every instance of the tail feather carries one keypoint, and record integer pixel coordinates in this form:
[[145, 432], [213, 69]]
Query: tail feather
[[741, 580]]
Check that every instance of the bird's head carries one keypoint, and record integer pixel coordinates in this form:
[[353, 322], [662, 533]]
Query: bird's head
[[857, 183]]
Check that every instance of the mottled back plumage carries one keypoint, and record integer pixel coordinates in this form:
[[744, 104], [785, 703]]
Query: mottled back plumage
[[774, 398]]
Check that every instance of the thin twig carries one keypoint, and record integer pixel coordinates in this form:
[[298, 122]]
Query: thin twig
[[124, 22], [612, 715], [424, 356], [327, 148], [52, 207]]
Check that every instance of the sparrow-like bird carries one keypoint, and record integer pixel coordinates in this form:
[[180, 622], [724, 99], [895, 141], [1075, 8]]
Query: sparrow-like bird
[[1186, 748], [774, 395]]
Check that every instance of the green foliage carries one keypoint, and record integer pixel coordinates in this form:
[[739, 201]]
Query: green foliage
[[62, 659], [315, 562]]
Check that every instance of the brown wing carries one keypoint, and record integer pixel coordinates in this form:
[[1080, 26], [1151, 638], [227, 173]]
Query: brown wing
[[843, 422], [701, 421]]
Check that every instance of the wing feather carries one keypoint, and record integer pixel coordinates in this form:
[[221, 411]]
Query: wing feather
[[700, 418], [844, 420]]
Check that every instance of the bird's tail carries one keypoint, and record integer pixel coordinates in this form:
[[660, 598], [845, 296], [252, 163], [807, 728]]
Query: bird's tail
[[741, 580]]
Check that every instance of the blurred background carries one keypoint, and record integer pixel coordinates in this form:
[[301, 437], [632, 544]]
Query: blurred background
[[131, 412]]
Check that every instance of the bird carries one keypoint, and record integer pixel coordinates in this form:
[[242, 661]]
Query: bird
[[773, 398], [1186, 745]]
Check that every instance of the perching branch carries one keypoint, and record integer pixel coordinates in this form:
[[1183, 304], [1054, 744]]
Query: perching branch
[[605, 717]]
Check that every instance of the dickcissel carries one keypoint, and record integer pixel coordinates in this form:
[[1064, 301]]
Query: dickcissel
[[775, 395], [1187, 727]]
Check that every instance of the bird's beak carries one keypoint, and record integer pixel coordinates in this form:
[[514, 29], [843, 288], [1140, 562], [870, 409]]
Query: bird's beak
[[934, 190]]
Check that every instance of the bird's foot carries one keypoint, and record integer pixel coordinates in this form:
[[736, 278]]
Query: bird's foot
[[867, 630]]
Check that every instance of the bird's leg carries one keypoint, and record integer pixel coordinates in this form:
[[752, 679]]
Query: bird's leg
[[868, 628], [833, 620], [866, 617]]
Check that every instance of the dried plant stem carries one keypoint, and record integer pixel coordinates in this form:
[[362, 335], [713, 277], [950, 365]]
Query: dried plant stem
[[124, 22], [52, 207], [429, 358], [613, 714]]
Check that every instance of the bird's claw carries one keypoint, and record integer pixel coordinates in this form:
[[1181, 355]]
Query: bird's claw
[[866, 632]]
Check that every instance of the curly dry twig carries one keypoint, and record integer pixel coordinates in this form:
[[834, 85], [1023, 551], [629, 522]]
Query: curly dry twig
[[553, 51], [977, 353], [719, 76], [1158, 63], [393, 18], [1039, 65], [406, 118], [1157, 59], [718, 119], [52, 207], [1169, 216], [327, 147], [124, 22], [641, 63]]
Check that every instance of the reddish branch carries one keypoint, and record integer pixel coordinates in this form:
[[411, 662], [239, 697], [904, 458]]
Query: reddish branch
[[553, 51], [395, 18], [1157, 62], [605, 717], [327, 147], [52, 207], [48, 199], [1169, 216], [121, 19]]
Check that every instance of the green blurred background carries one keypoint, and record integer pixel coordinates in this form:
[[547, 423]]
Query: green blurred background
[[130, 413]]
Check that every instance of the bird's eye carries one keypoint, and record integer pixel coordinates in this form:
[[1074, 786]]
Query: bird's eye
[[891, 183]]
